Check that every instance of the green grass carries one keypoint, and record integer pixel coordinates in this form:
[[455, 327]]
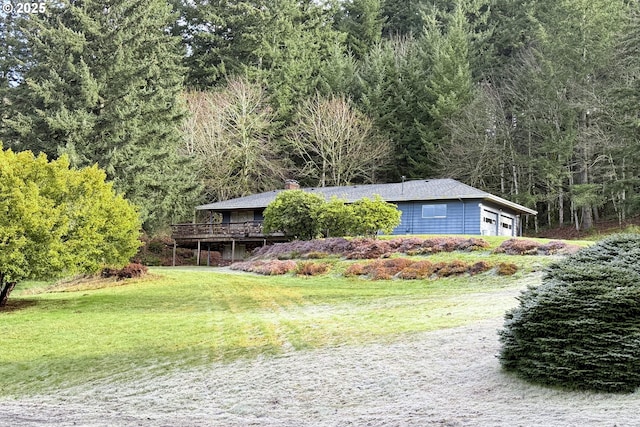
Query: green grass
[[185, 317]]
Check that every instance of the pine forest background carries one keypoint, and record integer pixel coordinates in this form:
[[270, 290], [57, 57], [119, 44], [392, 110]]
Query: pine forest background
[[195, 101]]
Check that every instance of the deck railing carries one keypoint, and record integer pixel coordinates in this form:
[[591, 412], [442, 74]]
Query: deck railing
[[204, 230]]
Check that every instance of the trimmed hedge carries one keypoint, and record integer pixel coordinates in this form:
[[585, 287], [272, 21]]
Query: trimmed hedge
[[580, 329]]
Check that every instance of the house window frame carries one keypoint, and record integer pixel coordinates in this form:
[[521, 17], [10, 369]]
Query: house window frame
[[437, 211]]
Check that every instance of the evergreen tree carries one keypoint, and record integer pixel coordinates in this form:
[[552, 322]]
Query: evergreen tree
[[579, 328], [402, 17], [289, 46], [296, 53], [624, 97], [103, 86], [362, 21], [391, 89], [449, 87]]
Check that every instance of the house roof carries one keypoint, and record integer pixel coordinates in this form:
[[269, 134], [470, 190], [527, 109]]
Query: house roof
[[416, 190]]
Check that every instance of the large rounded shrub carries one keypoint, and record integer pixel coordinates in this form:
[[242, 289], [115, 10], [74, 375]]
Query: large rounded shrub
[[580, 328]]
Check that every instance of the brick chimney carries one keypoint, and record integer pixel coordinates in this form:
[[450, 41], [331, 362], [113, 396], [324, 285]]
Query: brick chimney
[[291, 184]]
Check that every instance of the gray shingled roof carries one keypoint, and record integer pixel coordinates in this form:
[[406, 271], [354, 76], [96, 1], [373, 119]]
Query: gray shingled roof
[[418, 190]]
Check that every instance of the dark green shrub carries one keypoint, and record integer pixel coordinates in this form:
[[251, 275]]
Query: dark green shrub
[[581, 328]]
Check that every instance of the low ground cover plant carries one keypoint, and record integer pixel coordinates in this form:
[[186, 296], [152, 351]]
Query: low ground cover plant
[[404, 268], [531, 247], [365, 248], [266, 267], [130, 271], [311, 268], [580, 329], [380, 269]]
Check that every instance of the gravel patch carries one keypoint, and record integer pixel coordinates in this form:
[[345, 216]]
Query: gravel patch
[[441, 378]]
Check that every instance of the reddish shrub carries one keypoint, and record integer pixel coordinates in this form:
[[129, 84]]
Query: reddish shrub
[[418, 270], [472, 244], [268, 268], [312, 268], [301, 248], [438, 266], [480, 267], [454, 268], [316, 255], [368, 249], [556, 247], [378, 271], [404, 268], [518, 247], [409, 244], [506, 269], [397, 264], [130, 271], [441, 244], [386, 269], [365, 248], [356, 269]]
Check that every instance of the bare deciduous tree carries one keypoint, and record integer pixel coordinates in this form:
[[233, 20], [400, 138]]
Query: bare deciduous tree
[[229, 132], [337, 144]]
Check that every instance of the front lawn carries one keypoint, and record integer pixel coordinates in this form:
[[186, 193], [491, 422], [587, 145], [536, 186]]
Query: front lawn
[[184, 317]]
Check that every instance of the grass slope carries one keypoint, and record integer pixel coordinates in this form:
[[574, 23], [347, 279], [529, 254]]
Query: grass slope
[[181, 317]]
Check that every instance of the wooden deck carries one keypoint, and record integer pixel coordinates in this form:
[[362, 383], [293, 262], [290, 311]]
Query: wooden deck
[[234, 231]]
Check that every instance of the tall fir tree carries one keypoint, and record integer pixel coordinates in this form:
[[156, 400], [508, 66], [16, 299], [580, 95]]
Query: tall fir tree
[[289, 46], [362, 21], [624, 98], [402, 17], [449, 86], [103, 86]]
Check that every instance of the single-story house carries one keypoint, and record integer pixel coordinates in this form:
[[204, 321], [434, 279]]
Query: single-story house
[[429, 206]]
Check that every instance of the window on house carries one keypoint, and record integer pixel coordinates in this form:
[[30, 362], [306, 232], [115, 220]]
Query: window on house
[[434, 211]]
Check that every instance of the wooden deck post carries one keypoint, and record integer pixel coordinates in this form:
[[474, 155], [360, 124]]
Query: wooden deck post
[[208, 254], [198, 256], [233, 250], [174, 253]]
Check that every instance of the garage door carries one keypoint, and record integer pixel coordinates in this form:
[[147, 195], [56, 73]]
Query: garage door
[[506, 225], [489, 224]]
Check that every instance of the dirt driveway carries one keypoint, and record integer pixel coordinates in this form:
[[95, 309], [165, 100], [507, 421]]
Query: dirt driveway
[[443, 378]]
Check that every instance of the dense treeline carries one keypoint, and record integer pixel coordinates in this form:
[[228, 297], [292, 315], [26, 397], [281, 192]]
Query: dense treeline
[[534, 101]]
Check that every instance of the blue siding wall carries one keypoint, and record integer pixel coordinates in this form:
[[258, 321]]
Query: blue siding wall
[[461, 218]]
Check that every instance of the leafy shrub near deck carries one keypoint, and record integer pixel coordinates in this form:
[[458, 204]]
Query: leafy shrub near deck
[[581, 328]]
